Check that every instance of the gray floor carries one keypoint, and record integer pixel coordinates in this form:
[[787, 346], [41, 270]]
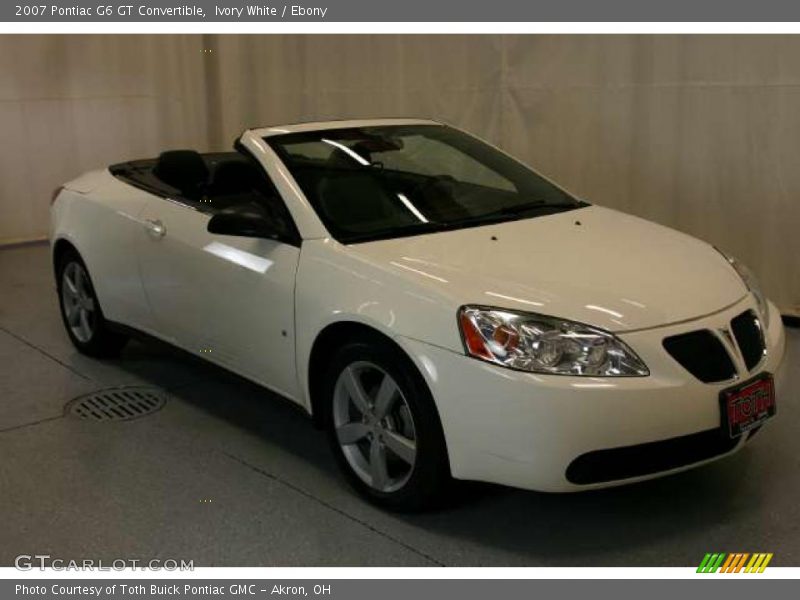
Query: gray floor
[[227, 475]]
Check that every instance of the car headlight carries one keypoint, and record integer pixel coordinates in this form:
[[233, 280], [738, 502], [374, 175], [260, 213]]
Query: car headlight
[[751, 282], [542, 344]]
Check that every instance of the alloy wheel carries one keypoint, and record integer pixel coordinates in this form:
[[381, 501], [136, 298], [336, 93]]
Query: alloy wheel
[[77, 299], [374, 426]]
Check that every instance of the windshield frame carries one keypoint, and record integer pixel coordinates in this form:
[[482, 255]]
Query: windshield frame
[[531, 210]]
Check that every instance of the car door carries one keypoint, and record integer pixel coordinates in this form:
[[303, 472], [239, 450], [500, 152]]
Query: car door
[[227, 298], [106, 223]]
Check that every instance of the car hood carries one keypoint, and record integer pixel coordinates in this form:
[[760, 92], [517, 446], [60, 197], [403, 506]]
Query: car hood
[[593, 265]]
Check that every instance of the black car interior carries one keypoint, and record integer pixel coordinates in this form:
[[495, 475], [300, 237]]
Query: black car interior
[[184, 170], [373, 183], [351, 195], [348, 192], [210, 183]]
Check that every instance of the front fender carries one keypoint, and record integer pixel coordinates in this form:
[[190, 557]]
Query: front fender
[[337, 284]]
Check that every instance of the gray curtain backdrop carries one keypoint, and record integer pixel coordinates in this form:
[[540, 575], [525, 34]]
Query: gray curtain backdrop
[[701, 133]]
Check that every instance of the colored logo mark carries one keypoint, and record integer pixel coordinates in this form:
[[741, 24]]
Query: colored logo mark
[[737, 562]]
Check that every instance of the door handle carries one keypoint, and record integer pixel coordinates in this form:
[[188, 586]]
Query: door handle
[[155, 227]]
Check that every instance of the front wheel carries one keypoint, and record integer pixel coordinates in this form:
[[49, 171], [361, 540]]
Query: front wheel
[[384, 428]]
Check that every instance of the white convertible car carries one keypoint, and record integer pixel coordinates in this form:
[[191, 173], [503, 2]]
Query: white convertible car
[[438, 307]]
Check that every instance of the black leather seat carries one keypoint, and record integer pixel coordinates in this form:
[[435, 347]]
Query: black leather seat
[[348, 194], [184, 170], [232, 177], [233, 182]]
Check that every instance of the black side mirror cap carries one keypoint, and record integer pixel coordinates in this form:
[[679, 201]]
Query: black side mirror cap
[[245, 221]]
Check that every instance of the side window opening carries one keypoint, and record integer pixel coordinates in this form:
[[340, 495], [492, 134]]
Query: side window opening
[[209, 183], [260, 189]]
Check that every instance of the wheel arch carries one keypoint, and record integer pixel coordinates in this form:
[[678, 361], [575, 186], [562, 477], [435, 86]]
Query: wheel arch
[[62, 246], [333, 336]]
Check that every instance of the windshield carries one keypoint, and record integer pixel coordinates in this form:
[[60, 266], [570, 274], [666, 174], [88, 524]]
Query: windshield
[[372, 183]]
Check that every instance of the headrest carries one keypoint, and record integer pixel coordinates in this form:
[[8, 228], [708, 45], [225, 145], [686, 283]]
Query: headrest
[[182, 169]]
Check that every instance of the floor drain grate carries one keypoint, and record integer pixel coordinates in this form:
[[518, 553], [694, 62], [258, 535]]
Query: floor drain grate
[[117, 404]]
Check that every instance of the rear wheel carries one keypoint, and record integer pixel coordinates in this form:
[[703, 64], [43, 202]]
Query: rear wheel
[[81, 312], [384, 428]]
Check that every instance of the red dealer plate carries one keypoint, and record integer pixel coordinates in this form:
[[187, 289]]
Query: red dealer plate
[[747, 406]]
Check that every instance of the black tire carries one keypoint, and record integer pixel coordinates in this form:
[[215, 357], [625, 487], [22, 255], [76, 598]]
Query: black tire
[[429, 480], [101, 341]]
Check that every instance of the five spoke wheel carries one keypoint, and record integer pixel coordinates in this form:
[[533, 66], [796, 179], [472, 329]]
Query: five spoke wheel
[[78, 302], [374, 426]]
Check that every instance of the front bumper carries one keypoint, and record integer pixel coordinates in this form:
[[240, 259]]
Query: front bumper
[[524, 429]]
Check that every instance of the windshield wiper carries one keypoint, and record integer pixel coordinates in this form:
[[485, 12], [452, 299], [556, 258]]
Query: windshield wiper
[[510, 212], [507, 213], [399, 231], [525, 207]]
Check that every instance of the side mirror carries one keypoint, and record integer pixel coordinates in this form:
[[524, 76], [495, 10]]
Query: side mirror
[[247, 221]]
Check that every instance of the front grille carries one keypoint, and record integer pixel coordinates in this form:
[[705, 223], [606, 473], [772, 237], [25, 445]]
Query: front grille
[[644, 459], [747, 330], [702, 354]]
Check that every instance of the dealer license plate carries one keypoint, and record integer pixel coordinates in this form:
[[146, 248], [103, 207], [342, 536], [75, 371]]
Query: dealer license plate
[[748, 405]]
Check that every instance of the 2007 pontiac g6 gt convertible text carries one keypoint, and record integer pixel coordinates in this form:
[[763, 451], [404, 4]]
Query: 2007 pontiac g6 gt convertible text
[[438, 307]]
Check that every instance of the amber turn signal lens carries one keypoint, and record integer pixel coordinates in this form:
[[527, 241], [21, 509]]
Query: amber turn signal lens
[[473, 338]]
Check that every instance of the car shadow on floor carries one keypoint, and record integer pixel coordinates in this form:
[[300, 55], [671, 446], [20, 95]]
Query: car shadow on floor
[[580, 529], [595, 527]]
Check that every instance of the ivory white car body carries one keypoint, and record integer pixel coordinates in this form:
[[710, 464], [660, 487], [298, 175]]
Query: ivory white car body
[[439, 307]]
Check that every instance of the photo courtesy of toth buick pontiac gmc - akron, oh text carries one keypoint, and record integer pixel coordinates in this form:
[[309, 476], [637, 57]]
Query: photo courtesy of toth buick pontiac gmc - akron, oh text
[[439, 308]]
